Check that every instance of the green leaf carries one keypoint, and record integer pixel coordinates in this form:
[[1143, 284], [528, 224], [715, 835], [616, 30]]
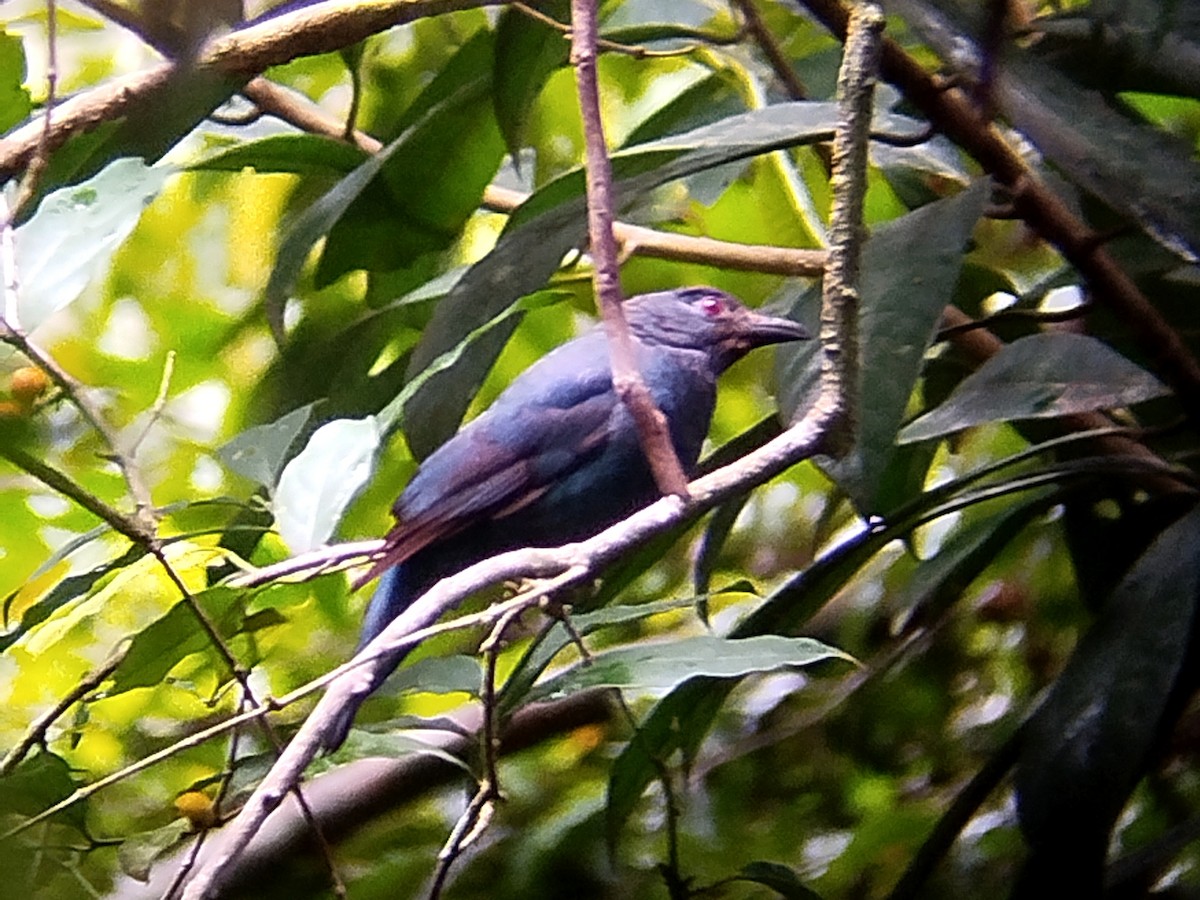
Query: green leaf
[[15, 104], [75, 232], [432, 184], [159, 646], [527, 52], [779, 878], [318, 484], [438, 675], [138, 853], [260, 453], [1087, 745], [391, 745], [299, 154], [66, 590], [543, 651], [909, 270], [662, 666], [1039, 377], [39, 782]]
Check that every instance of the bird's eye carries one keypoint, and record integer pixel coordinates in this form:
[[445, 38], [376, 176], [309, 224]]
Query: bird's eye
[[711, 306]]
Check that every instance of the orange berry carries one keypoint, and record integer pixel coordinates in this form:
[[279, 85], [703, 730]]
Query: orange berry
[[26, 384], [197, 808], [12, 410]]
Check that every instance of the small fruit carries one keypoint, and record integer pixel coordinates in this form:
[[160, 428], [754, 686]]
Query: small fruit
[[197, 808], [26, 384]]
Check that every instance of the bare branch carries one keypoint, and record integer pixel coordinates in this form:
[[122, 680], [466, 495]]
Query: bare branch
[[606, 279]]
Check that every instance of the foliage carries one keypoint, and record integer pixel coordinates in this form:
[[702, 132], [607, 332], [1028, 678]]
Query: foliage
[[245, 332]]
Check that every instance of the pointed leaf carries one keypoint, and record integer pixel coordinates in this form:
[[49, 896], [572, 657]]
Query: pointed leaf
[[319, 483], [660, 667], [1038, 377], [75, 232], [1087, 744], [527, 52], [259, 453], [779, 878], [909, 270], [39, 782]]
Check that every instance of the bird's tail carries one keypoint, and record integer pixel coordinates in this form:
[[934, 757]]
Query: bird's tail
[[391, 596]]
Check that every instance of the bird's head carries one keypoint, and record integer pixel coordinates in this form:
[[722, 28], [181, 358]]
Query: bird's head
[[704, 318]]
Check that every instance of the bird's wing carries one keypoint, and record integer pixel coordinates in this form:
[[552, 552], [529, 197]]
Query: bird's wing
[[498, 464]]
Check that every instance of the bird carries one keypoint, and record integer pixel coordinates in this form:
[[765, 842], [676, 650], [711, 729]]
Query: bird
[[557, 458]]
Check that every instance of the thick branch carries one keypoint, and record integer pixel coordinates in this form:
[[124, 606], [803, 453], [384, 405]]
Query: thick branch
[[351, 796]]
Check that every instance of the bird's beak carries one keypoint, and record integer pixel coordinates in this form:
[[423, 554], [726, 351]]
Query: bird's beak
[[759, 329]]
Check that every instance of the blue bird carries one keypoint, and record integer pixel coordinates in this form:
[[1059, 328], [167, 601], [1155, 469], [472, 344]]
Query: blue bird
[[557, 458]]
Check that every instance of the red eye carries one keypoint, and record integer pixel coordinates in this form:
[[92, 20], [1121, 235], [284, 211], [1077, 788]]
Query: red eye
[[711, 306]]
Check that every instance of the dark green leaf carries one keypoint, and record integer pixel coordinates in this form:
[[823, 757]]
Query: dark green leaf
[[1037, 377], [15, 104], [39, 782], [159, 647], [300, 154], [779, 878], [527, 52], [139, 852], [439, 675], [431, 185], [1088, 743], [909, 269]]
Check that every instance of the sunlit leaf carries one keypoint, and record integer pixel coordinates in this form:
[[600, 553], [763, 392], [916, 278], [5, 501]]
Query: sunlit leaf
[[661, 666], [320, 481], [75, 232]]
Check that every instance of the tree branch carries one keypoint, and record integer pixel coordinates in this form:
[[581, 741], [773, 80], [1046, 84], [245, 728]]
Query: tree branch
[[606, 278]]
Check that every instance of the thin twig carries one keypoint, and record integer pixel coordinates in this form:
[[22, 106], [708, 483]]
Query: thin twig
[[606, 279], [41, 156], [242, 675], [635, 50], [160, 402], [478, 814], [780, 64], [57, 481], [635, 240], [143, 523]]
